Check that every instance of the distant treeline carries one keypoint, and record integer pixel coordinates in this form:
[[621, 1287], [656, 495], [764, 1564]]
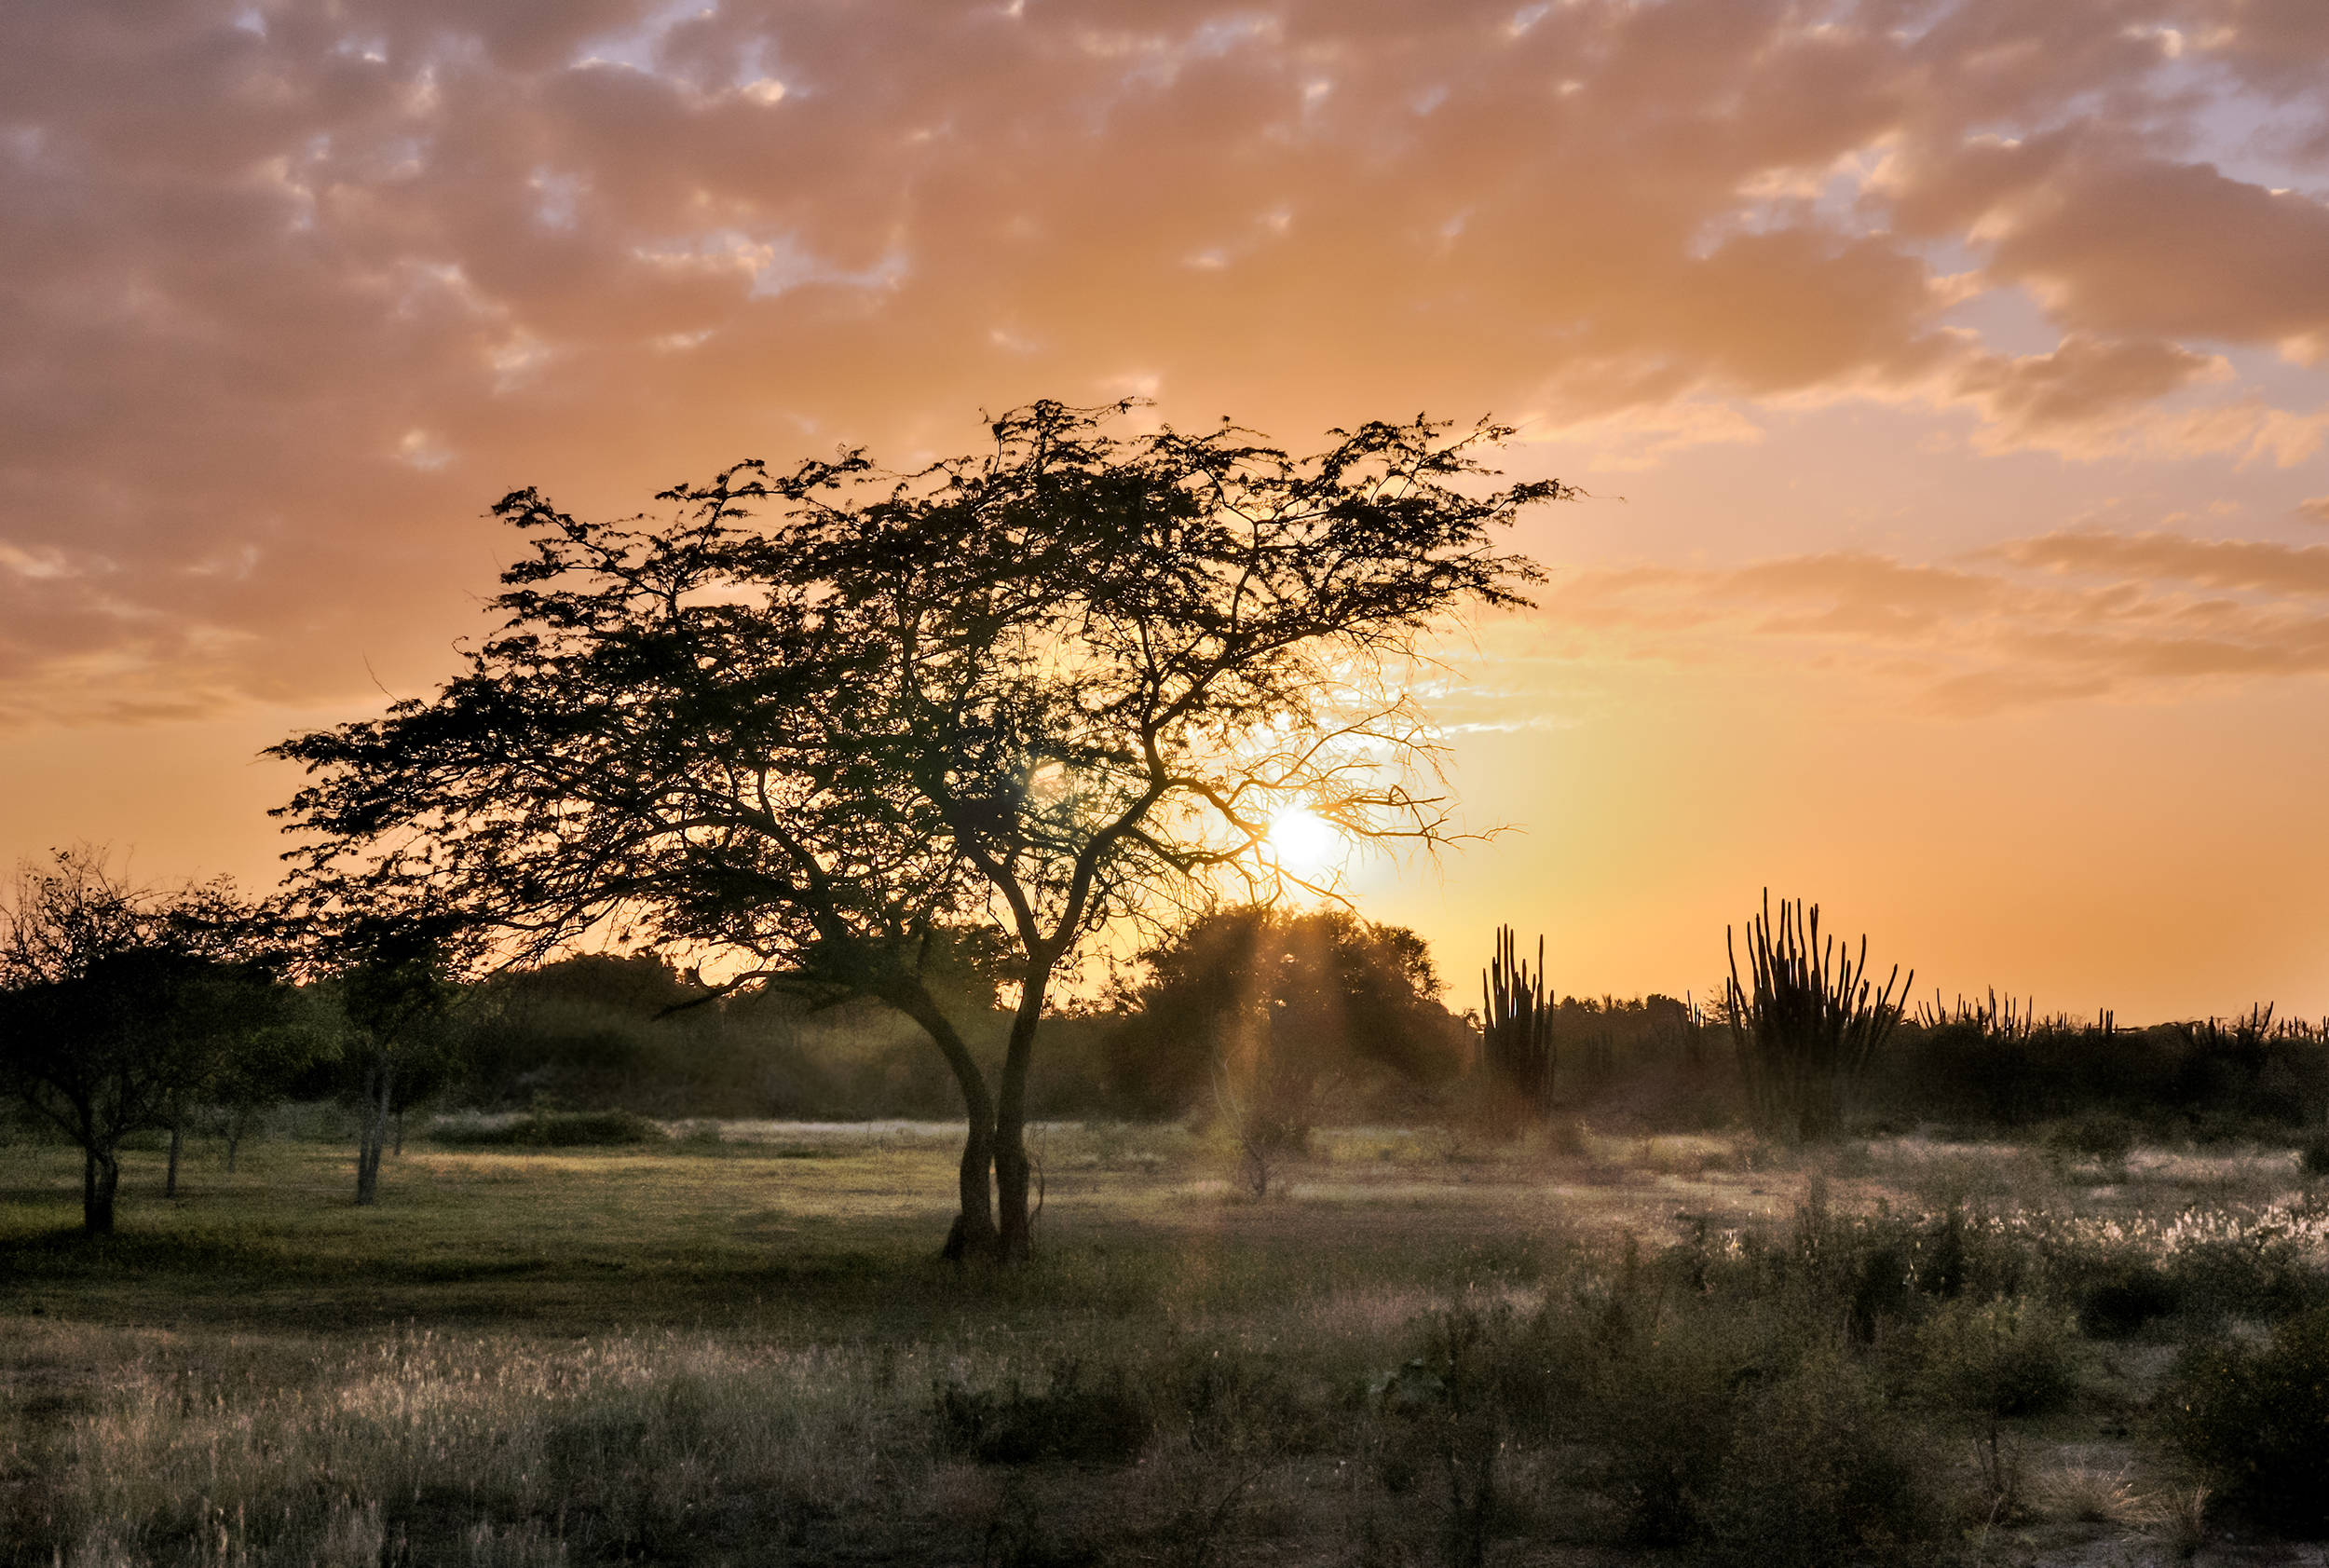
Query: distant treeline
[[1333, 1021], [605, 1033]]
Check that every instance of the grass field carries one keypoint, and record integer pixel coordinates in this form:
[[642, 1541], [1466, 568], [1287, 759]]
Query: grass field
[[739, 1348]]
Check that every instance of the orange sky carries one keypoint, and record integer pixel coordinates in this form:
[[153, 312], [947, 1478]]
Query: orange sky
[[1953, 381]]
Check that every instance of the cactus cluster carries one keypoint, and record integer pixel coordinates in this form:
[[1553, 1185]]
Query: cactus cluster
[[1812, 1022], [1516, 1028]]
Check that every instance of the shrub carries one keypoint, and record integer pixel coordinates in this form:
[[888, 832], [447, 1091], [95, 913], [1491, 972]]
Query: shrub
[[1667, 1417], [1820, 1472], [2105, 1136], [1235, 1402], [2007, 1357], [2258, 1419], [2121, 1302], [2313, 1157], [550, 1129], [1103, 1423]]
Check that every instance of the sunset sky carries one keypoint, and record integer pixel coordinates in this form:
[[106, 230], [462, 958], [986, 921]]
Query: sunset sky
[[1951, 382]]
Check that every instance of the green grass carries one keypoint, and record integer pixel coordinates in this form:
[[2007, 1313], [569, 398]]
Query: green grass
[[738, 1346]]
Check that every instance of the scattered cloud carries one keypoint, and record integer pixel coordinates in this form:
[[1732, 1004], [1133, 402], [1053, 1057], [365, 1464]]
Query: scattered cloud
[[310, 274], [2081, 613]]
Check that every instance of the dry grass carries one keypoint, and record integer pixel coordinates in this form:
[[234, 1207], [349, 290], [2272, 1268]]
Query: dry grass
[[729, 1351]]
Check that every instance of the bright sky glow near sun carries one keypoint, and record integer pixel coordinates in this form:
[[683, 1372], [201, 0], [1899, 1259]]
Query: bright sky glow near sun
[[1309, 847], [1951, 380]]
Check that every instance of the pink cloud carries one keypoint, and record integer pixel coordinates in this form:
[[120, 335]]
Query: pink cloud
[[2073, 615], [303, 287]]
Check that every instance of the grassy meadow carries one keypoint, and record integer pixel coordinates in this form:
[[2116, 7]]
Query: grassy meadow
[[737, 1347]]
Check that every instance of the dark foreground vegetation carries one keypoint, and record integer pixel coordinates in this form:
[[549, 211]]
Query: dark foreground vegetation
[[733, 1345]]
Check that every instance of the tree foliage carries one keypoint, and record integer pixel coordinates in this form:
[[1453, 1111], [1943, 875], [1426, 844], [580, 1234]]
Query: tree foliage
[[1281, 1009], [1066, 680], [120, 1003], [401, 1002]]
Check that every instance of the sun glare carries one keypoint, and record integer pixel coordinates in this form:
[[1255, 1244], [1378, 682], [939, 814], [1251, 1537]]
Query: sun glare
[[1307, 845]]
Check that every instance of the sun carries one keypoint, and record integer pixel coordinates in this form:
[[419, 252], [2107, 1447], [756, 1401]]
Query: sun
[[1307, 846]]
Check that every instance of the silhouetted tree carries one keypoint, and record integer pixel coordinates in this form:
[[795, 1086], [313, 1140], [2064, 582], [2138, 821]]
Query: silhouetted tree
[[118, 1005], [1272, 1010], [1038, 689], [305, 1035], [398, 994]]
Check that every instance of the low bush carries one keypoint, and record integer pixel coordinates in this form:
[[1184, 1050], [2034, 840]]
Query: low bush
[[2258, 1421], [2258, 1274], [1820, 1471], [2124, 1300], [2005, 1356], [1098, 1421], [2105, 1136], [1667, 1416], [2313, 1156], [549, 1129], [1229, 1400]]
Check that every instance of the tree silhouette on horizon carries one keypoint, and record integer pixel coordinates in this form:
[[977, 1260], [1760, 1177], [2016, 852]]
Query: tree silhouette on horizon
[[1069, 680]]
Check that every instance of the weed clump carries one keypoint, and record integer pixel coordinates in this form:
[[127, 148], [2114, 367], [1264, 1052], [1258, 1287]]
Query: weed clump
[[2125, 1300], [2105, 1136]]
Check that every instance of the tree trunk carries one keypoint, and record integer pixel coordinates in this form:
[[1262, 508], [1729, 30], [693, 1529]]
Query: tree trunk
[[1016, 1237], [101, 1177], [233, 1141], [379, 1087], [398, 1149], [177, 1142], [972, 1234]]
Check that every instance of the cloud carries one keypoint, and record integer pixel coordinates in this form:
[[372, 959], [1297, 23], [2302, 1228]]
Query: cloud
[[306, 285], [2080, 395], [2252, 565], [2065, 616]]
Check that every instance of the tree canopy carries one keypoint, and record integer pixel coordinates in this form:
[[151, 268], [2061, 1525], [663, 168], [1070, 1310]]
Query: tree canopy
[[117, 1001], [1070, 679], [1282, 1008]]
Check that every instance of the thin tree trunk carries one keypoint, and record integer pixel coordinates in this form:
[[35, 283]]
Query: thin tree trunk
[[101, 1177], [973, 1233], [1016, 1237], [399, 1151], [379, 1090], [177, 1142], [233, 1141]]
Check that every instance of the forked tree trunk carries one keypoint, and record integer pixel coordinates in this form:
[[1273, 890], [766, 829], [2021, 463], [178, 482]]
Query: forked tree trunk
[[972, 1234], [1016, 1230], [1015, 1239], [101, 1177]]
